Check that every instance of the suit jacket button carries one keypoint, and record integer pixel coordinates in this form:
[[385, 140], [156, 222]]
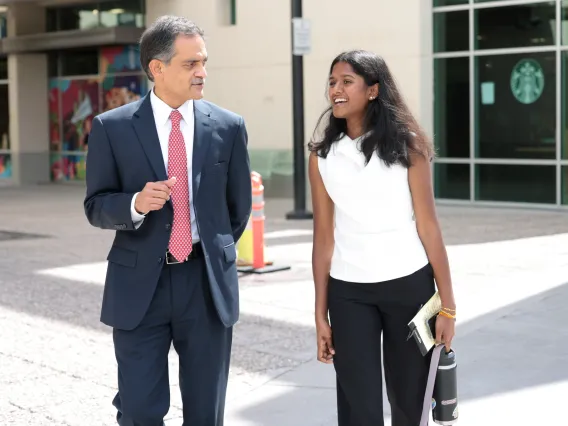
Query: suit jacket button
[[168, 226], [159, 260]]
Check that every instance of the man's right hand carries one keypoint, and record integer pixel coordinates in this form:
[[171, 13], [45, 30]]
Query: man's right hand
[[154, 196]]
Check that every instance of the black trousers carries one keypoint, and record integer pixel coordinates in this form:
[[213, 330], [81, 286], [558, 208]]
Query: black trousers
[[359, 314], [182, 312]]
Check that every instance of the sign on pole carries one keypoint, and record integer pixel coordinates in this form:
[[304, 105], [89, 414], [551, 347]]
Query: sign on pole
[[302, 43]]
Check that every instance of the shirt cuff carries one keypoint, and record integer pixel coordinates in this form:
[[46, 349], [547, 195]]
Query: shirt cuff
[[137, 218]]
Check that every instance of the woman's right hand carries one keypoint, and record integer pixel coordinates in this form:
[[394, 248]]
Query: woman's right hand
[[325, 343]]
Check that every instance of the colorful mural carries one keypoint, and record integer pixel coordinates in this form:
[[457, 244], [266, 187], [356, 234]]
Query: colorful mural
[[119, 59], [121, 90], [5, 166], [74, 103], [68, 167], [79, 104], [54, 131]]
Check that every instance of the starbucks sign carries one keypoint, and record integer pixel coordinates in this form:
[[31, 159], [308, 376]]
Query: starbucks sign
[[527, 81]]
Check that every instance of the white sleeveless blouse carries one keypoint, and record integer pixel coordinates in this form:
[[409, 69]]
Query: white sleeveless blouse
[[375, 232]]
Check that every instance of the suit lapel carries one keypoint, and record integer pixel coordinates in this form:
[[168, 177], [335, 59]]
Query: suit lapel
[[201, 141], [145, 127]]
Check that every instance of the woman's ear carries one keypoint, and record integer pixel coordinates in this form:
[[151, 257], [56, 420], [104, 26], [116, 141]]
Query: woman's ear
[[374, 91]]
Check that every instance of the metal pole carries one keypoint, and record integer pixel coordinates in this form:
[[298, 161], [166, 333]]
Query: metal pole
[[299, 211]]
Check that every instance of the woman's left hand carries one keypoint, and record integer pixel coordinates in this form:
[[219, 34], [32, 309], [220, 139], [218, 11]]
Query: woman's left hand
[[445, 331]]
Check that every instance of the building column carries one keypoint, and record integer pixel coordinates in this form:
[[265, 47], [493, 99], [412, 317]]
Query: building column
[[28, 100]]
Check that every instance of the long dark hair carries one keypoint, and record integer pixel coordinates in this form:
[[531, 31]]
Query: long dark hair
[[389, 127]]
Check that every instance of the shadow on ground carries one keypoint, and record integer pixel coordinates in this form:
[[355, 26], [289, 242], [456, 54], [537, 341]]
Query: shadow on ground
[[525, 348]]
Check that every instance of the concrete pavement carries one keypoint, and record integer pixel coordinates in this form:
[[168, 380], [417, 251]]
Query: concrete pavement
[[57, 365]]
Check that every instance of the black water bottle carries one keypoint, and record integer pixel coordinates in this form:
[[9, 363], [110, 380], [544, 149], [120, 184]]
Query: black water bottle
[[445, 395]]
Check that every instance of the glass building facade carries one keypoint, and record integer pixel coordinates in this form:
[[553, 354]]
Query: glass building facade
[[500, 101]]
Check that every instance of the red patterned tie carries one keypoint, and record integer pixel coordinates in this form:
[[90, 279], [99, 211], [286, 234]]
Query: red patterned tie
[[180, 239]]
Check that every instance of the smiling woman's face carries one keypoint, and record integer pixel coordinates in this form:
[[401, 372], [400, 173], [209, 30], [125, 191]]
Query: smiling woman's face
[[348, 92]]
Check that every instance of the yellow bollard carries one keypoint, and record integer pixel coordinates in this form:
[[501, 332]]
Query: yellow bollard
[[244, 247]]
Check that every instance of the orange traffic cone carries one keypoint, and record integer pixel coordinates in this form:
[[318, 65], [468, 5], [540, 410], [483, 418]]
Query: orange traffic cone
[[259, 263]]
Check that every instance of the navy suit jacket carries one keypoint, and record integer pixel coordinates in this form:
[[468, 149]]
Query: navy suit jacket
[[124, 154]]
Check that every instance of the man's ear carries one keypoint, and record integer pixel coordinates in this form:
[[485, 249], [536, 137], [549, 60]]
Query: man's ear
[[156, 67]]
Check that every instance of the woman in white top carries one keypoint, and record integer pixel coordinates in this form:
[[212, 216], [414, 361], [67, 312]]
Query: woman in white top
[[378, 252]]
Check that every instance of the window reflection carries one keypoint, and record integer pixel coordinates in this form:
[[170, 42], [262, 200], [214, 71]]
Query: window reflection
[[3, 26], [451, 107], [451, 31], [449, 2], [516, 106], [565, 185], [79, 62], [127, 13], [3, 68], [124, 13], [77, 18], [516, 26], [564, 22], [51, 20], [451, 181], [564, 106], [525, 184]]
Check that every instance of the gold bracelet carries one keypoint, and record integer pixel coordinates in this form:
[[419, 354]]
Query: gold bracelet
[[448, 309], [447, 315]]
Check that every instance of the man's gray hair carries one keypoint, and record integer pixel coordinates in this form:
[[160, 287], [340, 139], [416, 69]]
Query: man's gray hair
[[157, 42]]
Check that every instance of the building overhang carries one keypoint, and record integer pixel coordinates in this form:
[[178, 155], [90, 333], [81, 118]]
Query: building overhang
[[35, 43]]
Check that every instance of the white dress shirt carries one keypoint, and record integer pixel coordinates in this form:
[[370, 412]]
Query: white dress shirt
[[164, 126]]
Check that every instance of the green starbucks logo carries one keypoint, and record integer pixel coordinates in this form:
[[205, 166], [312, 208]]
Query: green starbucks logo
[[527, 81]]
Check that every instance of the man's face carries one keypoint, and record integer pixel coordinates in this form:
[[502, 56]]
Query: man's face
[[184, 77]]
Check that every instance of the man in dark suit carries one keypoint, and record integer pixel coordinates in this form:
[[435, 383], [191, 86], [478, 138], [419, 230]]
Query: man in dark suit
[[170, 174]]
